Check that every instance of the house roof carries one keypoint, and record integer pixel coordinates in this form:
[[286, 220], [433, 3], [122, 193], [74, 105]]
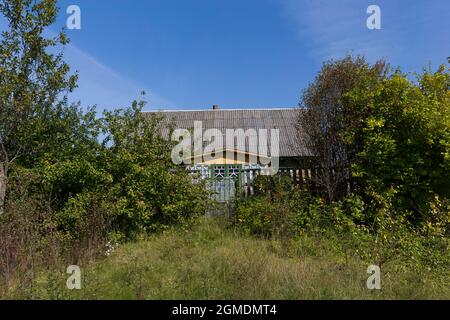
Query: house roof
[[291, 139]]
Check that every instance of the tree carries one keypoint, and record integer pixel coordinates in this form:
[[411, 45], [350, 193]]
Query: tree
[[324, 115], [33, 81], [400, 139], [149, 190]]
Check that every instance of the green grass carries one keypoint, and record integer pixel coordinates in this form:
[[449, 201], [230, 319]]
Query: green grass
[[210, 262]]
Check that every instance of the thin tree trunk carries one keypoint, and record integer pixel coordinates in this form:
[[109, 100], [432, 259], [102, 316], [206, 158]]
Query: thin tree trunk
[[3, 176]]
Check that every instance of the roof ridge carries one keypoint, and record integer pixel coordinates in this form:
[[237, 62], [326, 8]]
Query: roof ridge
[[221, 110]]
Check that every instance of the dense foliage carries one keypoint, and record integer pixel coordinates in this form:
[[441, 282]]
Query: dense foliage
[[381, 184], [33, 81], [390, 138], [74, 183], [399, 137], [325, 115]]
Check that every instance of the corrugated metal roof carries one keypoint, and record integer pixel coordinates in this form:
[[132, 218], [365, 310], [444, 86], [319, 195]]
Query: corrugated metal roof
[[286, 120]]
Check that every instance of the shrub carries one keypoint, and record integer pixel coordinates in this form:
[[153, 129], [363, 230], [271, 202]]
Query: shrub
[[28, 237], [256, 216]]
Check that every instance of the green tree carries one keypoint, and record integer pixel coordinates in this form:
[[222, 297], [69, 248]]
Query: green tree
[[400, 135], [377, 133], [129, 175], [150, 190], [33, 81]]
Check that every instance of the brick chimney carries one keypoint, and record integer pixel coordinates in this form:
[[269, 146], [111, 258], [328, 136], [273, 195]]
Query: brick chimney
[[216, 107]]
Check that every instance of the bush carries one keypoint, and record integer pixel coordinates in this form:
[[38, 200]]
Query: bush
[[75, 207], [256, 216], [28, 238], [375, 232]]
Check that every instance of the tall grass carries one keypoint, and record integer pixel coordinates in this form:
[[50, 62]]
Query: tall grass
[[210, 261], [32, 244]]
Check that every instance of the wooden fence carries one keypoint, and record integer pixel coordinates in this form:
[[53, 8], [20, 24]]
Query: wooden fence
[[247, 176], [299, 176]]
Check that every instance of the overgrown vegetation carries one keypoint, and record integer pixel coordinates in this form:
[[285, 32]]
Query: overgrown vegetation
[[381, 177], [390, 138], [73, 182], [210, 261], [75, 185], [289, 213]]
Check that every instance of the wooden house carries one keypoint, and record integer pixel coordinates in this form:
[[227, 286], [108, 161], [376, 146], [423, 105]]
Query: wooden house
[[243, 161]]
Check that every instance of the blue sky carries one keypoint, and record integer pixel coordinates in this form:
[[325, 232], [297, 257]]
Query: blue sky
[[192, 54]]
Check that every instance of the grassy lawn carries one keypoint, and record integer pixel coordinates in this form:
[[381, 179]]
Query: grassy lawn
[[210, 262]]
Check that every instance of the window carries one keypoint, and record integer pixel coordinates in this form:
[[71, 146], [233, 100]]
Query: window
[[219, 171], [233, 171], [223, 171]]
